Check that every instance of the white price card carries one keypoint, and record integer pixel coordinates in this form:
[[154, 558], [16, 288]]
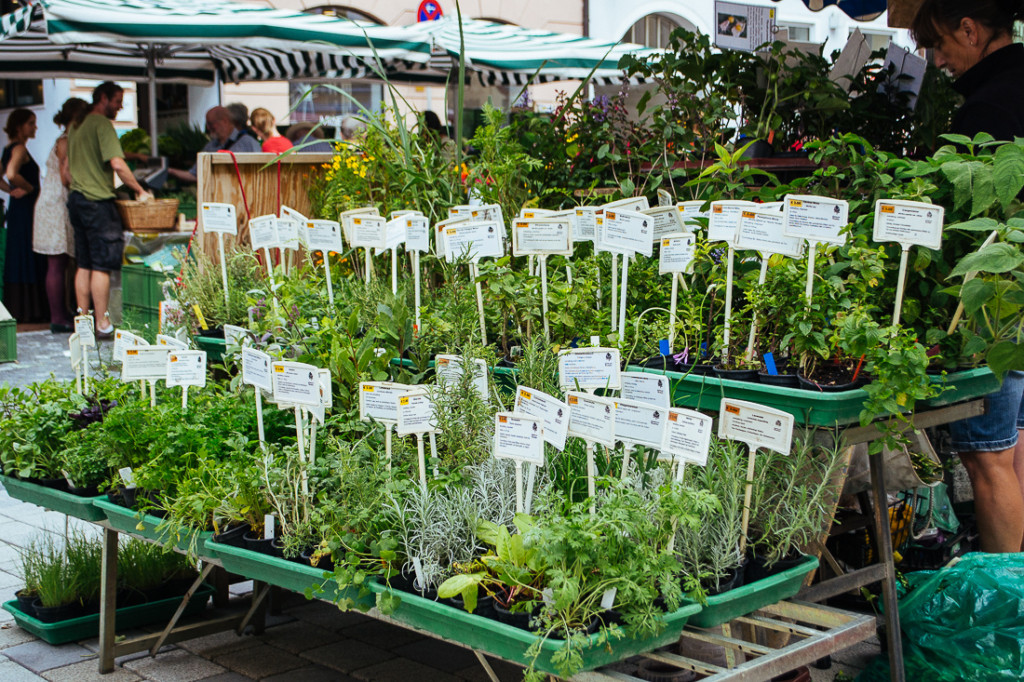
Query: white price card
[[170, 342], [687, 436], [664, 198], [296, 383], [635, 204], [817, 219], [345, 217], [518, 437], [665, 220], [763, 231], [450, 368], [628, 231], [646, 388], [288, 226], [219, 218], [534, 213], [908, 223], [591, 418], [724, 219], [394, 234], [585, 368], [378, 400], [123, 340], [326, 389], [263, 232], [475, 239], [439, 230], [491, 212], [235, 335], [323, 236], [417, 233], [368, 231], [552, 412], [756, 425], [415, 413], [639, 423], [84, 327], [256, 369], [690, 211], [461, 211], [677, 253], [586, 224], [186, 368], [541, 236], [75, 344], [144, 363]]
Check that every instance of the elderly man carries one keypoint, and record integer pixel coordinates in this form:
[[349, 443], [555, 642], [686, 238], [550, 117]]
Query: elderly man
[[224, 136]]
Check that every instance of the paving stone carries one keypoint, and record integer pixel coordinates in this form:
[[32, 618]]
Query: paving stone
[[311, 674], [175, 666], [437, 654], [12, 672], [268, 660], [18, 534], [218, 644], [328, 615], [40, 656], [231, 677], [347, 655], [93, 643], [382, 634], [506, 672], [88, 671], [300, 636], [402, 670], [12, 635], [10, 580]]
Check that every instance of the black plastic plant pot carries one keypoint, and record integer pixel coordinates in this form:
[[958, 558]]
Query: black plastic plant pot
[[810, 385], [783, 380], [326, 562], [517, 619], [730, 581], [54, 483], [484, 604], [234, 535], [757, 569], [659, 671], [54, 614], [255, 543], [736, 374], [26, 602]]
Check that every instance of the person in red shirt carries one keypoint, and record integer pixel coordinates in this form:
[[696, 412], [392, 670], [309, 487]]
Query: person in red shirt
[[263, 123]]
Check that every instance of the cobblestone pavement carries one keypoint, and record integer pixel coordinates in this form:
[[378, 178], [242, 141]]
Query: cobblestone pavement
[[308, 641]]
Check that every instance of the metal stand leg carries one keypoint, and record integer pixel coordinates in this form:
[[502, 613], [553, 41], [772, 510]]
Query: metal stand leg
[[181, 609], [108, 600], [486, 666], [884, 547]]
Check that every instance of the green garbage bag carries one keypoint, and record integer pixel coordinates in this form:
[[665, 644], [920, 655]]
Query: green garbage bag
[[965, 622]]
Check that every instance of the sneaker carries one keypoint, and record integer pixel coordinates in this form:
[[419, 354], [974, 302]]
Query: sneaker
[[105, 335]]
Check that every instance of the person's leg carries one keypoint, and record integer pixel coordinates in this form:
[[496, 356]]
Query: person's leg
[[1018, 468], [99, 286], [79, 212], [55, 267], [83, 290], [998, 501]]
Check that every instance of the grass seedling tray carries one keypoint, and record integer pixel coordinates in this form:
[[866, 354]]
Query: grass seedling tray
[[147, 526], [85, 627], [511, 643], [57, 500], [721, 608]]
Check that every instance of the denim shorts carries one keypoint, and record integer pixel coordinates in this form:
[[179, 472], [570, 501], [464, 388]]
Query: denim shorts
[[996, 429], [99, 237]]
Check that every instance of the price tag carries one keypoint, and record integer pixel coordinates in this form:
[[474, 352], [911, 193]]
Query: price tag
[[296, 383], [677, 253], [542, 236], [288, 226], [756, 425], [323, 236], [394, 234], [127, 476], [687, 436], [628, 231], [589, 368], [170, 342], [763, 231], [186, 368], [491, 212], [586, 224], [552, 412], [415, 413], [665, 220], [475, 239], [450, 368], [256, 369], [639, 423], [235, 335], [518, 437], [908, 223], [263, 232], [378, 400], [646, 388], [591, 418], [635, 204], [816, 219], [463, 211], [664, 198], [724, 219], [689, 212], [75, 344], [123, 340], [147, 363], [84, 327], [219, 218], [439, 243], [368, 232], [417, 233], [326, 389], [346, 218]]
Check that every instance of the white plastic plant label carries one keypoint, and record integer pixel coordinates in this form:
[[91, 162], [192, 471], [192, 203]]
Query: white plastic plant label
[[346, 217], [491, 212], [628, 231], [473, 239], [171, 342], [219, 218], [635, 204], [553, 413], [665, 220], [817, 219], [127, 476], [542, 236], [85, 328], [124, 340], [378, 400], [450, 368], [439, 230], [763, 231], [326, 389], [646, 388], [144, 363], [608, 596], [586, 224], [677, 253], [690, 211], [263, 232], [462, 211], [417, 233], [415, 414], [756, 425], [585, 368], [296, 383], [75, 345], [268, 527], [518, 437], [288, 226], [186, 368], [235, 335], [664, 198], [687, 436], [908, 223], [724, 219], [591, 418], [256, 369], [368, 231], [394, 234], [323, 236], [639, 423]]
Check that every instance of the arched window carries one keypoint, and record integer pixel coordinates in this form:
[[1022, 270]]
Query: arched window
[[344, 12], [654, 30]]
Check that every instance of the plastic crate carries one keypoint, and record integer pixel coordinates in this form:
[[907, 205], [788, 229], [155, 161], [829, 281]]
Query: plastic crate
[[8, 339], [142, 286]]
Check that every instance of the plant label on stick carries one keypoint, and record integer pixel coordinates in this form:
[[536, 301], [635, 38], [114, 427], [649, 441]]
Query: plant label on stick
[[664, 198], [417, 233], [296, 383], [761, 230], [687, 436], [144, 363], [405, 212], [665, 220], [635, 204], [323, 236], [345, 218], [378, 400], [186, 368], [263, 232], [553, 413], [756, 425], [542, 236], [256, 369], [518, 437], [819, 220], [724, 219], [124, 340], [235, 335], [75, 344], [462, 211], [219, 218], [473, 240], [85, 328], [415, 413], [646, 388], [639, 423], [171, 342], [586, 224], [908, 223], [689, 212], [490, 212], [591, 418], [326, 389], [450, 368], [368, 232], [288, 226], [628, 231], [677, 253], [439, 229], [394, 235], [587, 368]]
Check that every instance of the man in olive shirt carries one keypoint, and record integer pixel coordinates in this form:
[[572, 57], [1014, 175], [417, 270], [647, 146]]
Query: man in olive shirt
[[94, 155]]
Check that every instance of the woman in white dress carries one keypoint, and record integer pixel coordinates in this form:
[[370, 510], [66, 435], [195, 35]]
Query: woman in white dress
[[52, 235]]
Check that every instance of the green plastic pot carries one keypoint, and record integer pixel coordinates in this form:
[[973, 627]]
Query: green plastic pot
[[57, 500]]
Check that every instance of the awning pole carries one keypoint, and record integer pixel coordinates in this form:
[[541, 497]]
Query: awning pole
[[151, 96]]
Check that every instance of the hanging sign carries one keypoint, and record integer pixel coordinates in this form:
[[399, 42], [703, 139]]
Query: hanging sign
[[591, 418], [586, 224], [908, 223], [689, 212], [677, 253], [665, 220], [85, 327], [541, 236], [171, 342], [144, 363], [816, 219], [219, 218], [628, 231], [743, 27], [415, 414], [368, 231], [646, 388], [256, 369], [323, 236], [585, 368], [450, 368], [378, 400], [687, 436], [263, 232], [417, 233], [639, 423], [518, 437], [295, 383], [761, 230], [473, 239], [756, 425], [553, 413], [724, 219], [186, 368]]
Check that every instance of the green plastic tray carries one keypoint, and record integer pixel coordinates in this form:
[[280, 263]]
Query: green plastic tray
[[277, 571], [146, 526], [506, 378], [57, 500], [214, 347], [511, 643], [84, 627], [811, 408], [721, 608]]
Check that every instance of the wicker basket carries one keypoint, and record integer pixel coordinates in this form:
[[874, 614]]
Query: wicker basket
[[148, 216]]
